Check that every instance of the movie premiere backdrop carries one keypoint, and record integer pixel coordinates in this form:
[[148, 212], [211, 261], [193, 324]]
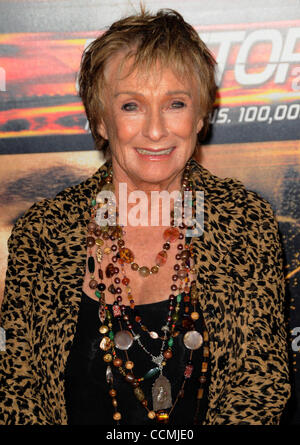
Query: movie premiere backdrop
[[45, 142]]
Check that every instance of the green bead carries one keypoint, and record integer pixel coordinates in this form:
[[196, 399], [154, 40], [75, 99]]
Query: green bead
[[170, 342], [91, 264], [111, 335], [98, 294], [108, 315], [151, 373], [175, 317], [94, 202], [178, 298]]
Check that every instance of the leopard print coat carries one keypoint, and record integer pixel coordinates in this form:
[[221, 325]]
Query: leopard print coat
[[241, 292]]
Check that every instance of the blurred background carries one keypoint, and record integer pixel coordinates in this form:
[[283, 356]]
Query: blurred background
[[45, 144]]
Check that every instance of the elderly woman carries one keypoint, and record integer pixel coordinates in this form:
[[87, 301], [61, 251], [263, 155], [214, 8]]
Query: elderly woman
[[112, 322]]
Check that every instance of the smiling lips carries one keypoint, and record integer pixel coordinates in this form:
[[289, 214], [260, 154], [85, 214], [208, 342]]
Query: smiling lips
[[151, 152]]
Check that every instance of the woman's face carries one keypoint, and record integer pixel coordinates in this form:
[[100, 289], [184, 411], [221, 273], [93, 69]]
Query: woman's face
[[151, 121]]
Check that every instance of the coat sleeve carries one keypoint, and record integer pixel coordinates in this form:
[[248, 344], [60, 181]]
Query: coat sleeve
[[259, 388], [20, 403]]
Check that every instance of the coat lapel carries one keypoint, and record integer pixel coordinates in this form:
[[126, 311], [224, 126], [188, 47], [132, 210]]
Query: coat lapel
[[71, 274], [219, 253]]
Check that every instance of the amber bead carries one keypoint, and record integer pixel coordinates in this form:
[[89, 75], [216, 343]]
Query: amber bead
[[171, 234], [195, 316], [93, 284], [107, 358], [129, 377], [185, 254], [161, 258], [98, 232], [112, 392], [129, 364], [154, 269], [151, 414], [99, 242], [182, 274], [205, 351], [200, 393], [144, 271], [144, 402], [110, 270], [91, 226], [117, 416], [114, 402], [125, 281], [105, 344], [168, 354], [205, 336], [103, 329], [138, 392], [162, 416], [126, 255], [134, 266], [117, 362], [204, 367], [90, 241]]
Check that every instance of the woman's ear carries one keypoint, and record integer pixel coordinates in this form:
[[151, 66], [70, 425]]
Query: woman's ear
[[199, 125], [102, 130]]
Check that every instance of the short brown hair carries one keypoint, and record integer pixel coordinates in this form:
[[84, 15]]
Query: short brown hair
[[163, 37]]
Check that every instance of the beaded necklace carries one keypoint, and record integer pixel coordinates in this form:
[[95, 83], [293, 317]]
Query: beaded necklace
[[133, 327]]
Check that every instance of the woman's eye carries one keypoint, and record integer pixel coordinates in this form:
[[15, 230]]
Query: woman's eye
[[178, 104], [130, 106]]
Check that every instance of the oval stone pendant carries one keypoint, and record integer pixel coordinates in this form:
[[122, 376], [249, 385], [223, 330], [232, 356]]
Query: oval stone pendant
[[193, 340], [123, 340]]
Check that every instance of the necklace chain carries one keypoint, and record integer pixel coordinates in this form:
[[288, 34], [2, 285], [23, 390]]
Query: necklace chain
[[126, 337]]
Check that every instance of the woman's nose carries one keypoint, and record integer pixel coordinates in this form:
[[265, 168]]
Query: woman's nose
[[155, 126]]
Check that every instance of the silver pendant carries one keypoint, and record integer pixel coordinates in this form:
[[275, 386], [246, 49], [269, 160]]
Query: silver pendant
[[161, 393], [158, 360]]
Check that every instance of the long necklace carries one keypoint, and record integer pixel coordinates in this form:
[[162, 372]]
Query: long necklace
[[123, 339]]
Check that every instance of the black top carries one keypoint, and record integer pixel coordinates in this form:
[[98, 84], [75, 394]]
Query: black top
[[87, 399]]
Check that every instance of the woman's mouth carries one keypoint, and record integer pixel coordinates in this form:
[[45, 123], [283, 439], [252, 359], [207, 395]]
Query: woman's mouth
[[153, 152]]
